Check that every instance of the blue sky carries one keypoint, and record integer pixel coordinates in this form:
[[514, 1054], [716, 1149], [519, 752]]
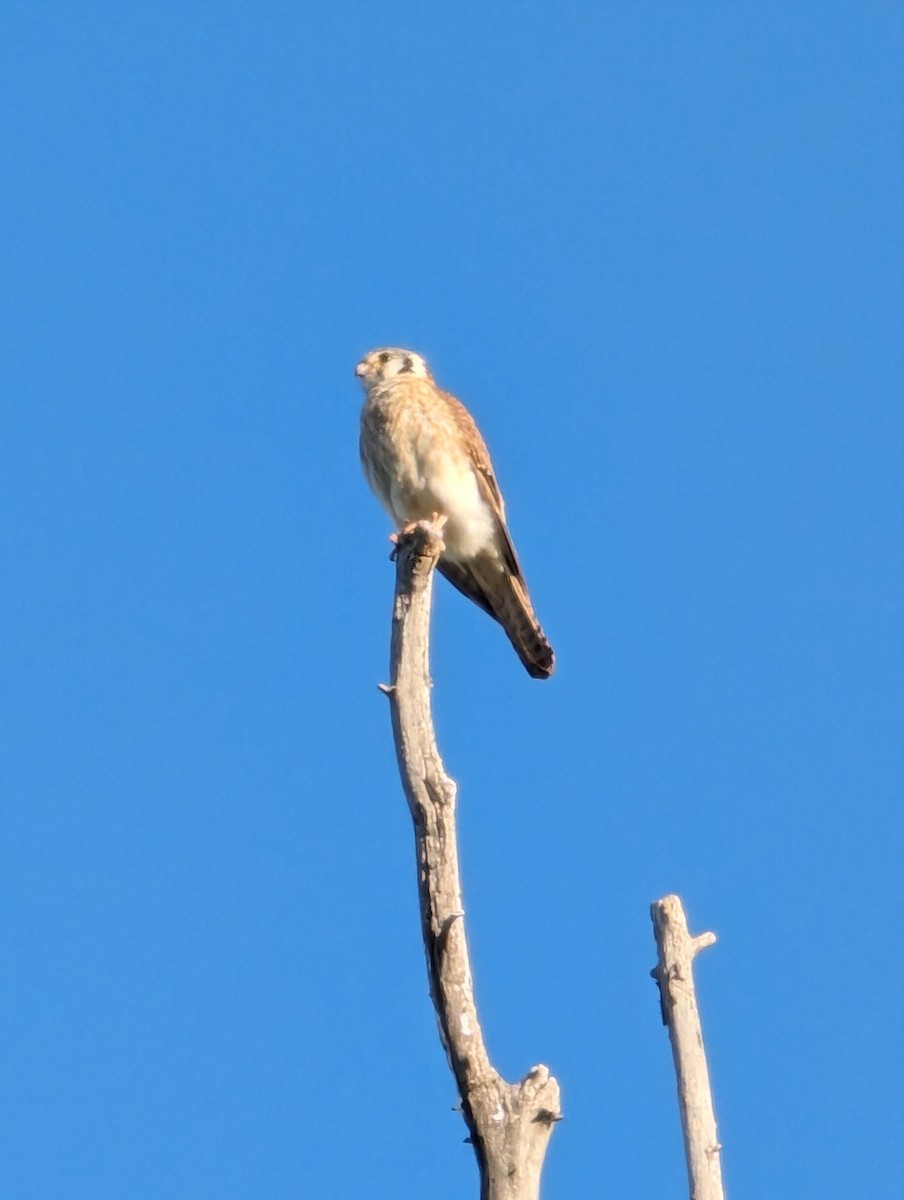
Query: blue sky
[[657, 249]]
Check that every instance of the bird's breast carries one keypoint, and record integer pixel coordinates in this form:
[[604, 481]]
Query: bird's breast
[[418, 466]]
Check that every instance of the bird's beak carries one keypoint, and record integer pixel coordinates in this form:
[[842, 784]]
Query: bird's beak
[[360, 369]]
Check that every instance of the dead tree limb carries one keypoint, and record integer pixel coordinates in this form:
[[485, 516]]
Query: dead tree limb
[[509, 1124], [674, 975]]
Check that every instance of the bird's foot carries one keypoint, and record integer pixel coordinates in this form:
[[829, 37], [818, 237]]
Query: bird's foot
[[436, 521], [395, 538]]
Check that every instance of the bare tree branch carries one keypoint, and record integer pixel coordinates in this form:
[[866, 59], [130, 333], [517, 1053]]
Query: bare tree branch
[[509, 1124], [674, 975]]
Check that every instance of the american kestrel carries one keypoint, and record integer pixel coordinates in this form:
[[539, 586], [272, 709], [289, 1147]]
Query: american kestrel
[[423, 456]]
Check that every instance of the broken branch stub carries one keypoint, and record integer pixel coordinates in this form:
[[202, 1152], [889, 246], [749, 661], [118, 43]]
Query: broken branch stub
[[678, 1002]]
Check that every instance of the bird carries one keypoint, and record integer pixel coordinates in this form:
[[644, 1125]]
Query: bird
[[424, 457]]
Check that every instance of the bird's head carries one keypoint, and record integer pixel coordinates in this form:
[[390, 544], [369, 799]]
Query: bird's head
[[383, 364]]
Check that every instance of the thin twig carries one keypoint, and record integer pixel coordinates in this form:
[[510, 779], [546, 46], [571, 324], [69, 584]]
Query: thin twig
[[509, 1124], [678, 1000]]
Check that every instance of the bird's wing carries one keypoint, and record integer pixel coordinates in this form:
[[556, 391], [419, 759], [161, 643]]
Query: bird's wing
[[504, 596], [461, 575], [501, 593], [489, 488]]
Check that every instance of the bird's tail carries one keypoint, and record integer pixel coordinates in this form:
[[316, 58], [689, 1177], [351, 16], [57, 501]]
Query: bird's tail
[[502, 594], [516, 615]]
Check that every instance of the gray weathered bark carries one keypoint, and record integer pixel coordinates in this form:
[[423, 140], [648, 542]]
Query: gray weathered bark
[[509, 1124], [674, 975]]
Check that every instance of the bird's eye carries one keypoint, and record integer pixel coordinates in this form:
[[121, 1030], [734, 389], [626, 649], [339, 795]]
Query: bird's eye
[[384, 357], [408, 364]]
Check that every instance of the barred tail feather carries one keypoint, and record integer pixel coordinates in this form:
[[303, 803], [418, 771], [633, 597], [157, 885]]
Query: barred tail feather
[[515, 614], [503, 595]]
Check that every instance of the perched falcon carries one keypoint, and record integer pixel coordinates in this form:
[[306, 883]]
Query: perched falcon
[[424, 456]]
